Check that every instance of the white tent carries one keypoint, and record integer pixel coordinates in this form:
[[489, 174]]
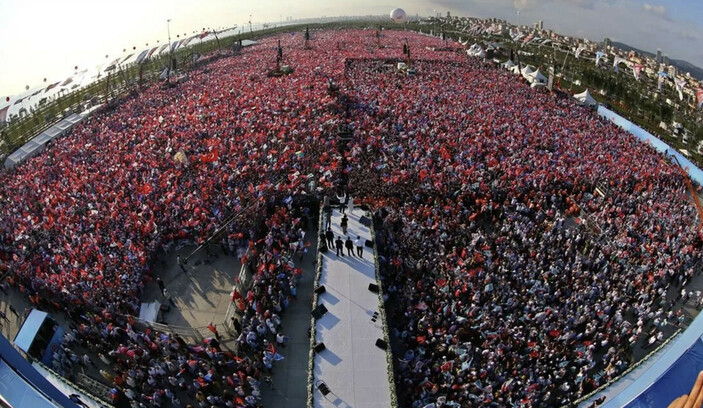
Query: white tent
[[526, 71], [149, 312], [585, 98], [476, 51], [508, 64], [536, 77], [514, 70]]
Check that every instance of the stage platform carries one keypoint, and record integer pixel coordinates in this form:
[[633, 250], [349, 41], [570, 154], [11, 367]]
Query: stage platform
[[352, 366]]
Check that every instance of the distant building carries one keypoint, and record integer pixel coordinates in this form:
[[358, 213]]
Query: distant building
[[659, 55], [672, 71], [665, 59], [449, 15], [539, 25], [606, 42]]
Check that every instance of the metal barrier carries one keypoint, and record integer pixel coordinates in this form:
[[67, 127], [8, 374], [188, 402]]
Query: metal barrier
[[96, 388], [230, 314], [194, 334], [318, 273], [243, 283], [90, 387]]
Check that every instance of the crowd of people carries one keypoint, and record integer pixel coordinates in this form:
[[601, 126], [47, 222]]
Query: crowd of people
[[510, 279], [148, 368]]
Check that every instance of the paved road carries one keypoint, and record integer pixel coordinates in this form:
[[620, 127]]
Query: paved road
[[290, 376]]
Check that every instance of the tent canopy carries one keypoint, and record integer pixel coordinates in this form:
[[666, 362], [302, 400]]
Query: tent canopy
[[149, 312], [527, 70], [476, 51], [536, 76], [508, 64], [585, 98], [29, 329]]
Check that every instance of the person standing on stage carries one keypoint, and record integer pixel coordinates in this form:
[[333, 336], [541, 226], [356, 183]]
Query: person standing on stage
[[342, 202], [359, 247], [327, 206], [344, 224], [340, 246], [330, 238], [350, 246]]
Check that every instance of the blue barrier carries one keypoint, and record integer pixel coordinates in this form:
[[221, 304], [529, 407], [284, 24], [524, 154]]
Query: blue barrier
[[671, 375], [676, 381]]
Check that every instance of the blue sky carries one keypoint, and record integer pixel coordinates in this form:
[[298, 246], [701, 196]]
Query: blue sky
[[47, 38]]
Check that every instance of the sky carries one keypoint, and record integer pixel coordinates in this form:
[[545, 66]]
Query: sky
[[48, 38]]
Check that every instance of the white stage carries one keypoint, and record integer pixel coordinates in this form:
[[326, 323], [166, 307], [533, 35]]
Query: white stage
[[354, 369]]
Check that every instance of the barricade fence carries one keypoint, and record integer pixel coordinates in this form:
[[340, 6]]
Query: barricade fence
[[243, 283]]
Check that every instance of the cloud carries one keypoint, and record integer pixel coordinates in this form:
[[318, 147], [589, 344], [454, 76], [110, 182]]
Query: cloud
[[523, 4], [528, 4], [687, 36], [656, 10]]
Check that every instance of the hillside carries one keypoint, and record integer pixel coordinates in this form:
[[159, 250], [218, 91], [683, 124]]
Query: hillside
[[681, 65]]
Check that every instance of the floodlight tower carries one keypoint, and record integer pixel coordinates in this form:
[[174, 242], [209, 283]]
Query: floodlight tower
[[170, 51]]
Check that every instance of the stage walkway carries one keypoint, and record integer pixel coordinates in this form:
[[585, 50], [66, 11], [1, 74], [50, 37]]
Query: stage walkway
[[352, 366]]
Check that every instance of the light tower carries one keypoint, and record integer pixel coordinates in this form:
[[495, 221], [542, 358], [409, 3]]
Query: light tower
[[170, 50]]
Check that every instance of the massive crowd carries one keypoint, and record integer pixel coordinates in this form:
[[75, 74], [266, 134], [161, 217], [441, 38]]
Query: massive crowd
[[511, 279], [147, 368]]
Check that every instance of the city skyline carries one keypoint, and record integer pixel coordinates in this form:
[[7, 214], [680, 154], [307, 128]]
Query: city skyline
[[80, 33]]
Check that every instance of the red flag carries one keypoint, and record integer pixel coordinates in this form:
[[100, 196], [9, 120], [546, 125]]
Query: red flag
[[447, 366], [145, 189], [213, 156]]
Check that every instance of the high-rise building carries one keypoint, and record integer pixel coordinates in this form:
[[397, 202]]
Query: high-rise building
[[606, 42], [659, 55], [665, 59], [539, 25], [672, 71], [449, 15]]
